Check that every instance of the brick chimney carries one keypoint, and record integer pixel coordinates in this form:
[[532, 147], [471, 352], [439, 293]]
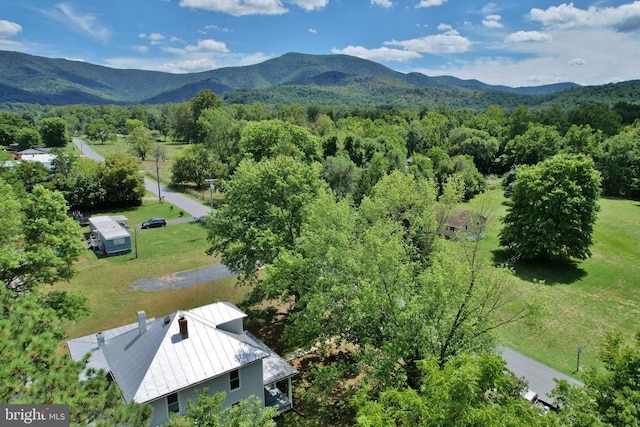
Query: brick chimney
[[142, 322], [182, 323], [100, 339]]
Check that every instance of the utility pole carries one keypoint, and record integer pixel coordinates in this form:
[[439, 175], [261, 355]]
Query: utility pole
[[212, 187], [158, 179], [578, 351]]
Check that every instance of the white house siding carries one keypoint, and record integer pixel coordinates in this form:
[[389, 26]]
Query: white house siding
[[250, 384]]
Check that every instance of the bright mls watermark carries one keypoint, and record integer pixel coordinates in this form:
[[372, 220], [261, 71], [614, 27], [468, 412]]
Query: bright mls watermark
[[34, 415]]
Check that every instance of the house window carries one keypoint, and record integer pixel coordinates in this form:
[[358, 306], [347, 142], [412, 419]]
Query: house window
[[119, 241], [172, 403], [234, 379]]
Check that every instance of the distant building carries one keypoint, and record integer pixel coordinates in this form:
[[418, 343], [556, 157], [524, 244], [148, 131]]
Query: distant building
[[41, 155], [162, 362], [462, 224]]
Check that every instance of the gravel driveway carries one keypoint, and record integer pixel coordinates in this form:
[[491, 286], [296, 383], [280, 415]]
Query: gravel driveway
[[183, 279]]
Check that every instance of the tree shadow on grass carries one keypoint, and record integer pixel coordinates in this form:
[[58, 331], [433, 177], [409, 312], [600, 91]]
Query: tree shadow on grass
[[551, 272]]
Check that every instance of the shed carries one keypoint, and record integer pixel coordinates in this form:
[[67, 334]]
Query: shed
[[109, 236]]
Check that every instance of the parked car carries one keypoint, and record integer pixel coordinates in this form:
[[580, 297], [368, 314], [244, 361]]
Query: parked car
[[153, 223]]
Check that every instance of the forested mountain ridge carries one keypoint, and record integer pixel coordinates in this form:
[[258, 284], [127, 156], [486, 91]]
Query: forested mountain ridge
[[291, 78]]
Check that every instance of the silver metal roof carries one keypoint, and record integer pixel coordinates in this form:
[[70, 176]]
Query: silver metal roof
[[158, 362]]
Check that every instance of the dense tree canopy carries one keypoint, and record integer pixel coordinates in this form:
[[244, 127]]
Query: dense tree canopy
[[376, 277], [264, 210], [39, 241], [553, 209], [34, 371], [54, 132], [208, 411], [467, 391], [121, 180]]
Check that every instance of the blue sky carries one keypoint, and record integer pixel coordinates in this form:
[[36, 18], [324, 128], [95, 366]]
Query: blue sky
[[516, 43]]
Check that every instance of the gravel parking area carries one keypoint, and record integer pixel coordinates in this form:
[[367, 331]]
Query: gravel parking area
[[182, 279]]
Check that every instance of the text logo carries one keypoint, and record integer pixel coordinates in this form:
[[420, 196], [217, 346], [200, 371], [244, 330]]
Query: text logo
[[34, 415]]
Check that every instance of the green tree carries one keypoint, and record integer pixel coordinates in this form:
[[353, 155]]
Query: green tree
[[583, 140], [207, 411], [341, 174], [552, 209], [121, 180], [193, 164], [220, 133], [518, 122], [35, 372], [478, 144], [54, 132], [27, 138], [264, 210], [620, 165], [140, 141], [28, 175], [611, 392], [100, 130], [597, 116], [205, 99], [537, 143], [50, 245], [270, 138], [467, 391]]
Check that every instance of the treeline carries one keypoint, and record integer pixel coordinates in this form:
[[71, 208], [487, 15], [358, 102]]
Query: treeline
[[354, 145]]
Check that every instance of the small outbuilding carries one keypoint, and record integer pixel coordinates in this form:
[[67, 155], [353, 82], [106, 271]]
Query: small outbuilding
[[109, 235]]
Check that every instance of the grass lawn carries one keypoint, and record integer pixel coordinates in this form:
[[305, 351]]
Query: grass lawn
[[584, 300], [161, 251], [172, 149]]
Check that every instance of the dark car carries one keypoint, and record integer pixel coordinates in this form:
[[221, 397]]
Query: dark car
[[153, 223]]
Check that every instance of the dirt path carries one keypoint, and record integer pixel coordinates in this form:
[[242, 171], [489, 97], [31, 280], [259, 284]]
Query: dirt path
[[182, 279]]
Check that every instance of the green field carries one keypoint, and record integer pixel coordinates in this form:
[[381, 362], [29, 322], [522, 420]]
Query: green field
[[584, 300], [161, 251]]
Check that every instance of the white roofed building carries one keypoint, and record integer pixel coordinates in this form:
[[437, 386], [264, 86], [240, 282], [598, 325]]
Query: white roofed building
[[163, 361]]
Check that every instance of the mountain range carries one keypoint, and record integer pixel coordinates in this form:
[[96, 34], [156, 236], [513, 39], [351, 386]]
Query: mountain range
[[290, 78]]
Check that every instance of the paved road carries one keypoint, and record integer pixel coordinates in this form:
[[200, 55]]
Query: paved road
[[539, 376], [192, 207]]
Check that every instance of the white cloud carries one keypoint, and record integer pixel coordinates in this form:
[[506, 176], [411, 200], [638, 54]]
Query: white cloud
[[141, 49], [492, 21], [217, 28], [252, 7], [449, 42], [156, 37], [9, 29], [489, 8], [528, 36], [429, 3], [207, 44], [382, 3], [86, 23], [190, 63], [586, 56], [379, 54], [313, 31], [238, 7], [309, 5], [624, 18], [444, 27]]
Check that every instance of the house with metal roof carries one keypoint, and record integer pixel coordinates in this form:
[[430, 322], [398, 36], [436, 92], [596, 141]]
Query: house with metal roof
[[162, 362], [109, 235]]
